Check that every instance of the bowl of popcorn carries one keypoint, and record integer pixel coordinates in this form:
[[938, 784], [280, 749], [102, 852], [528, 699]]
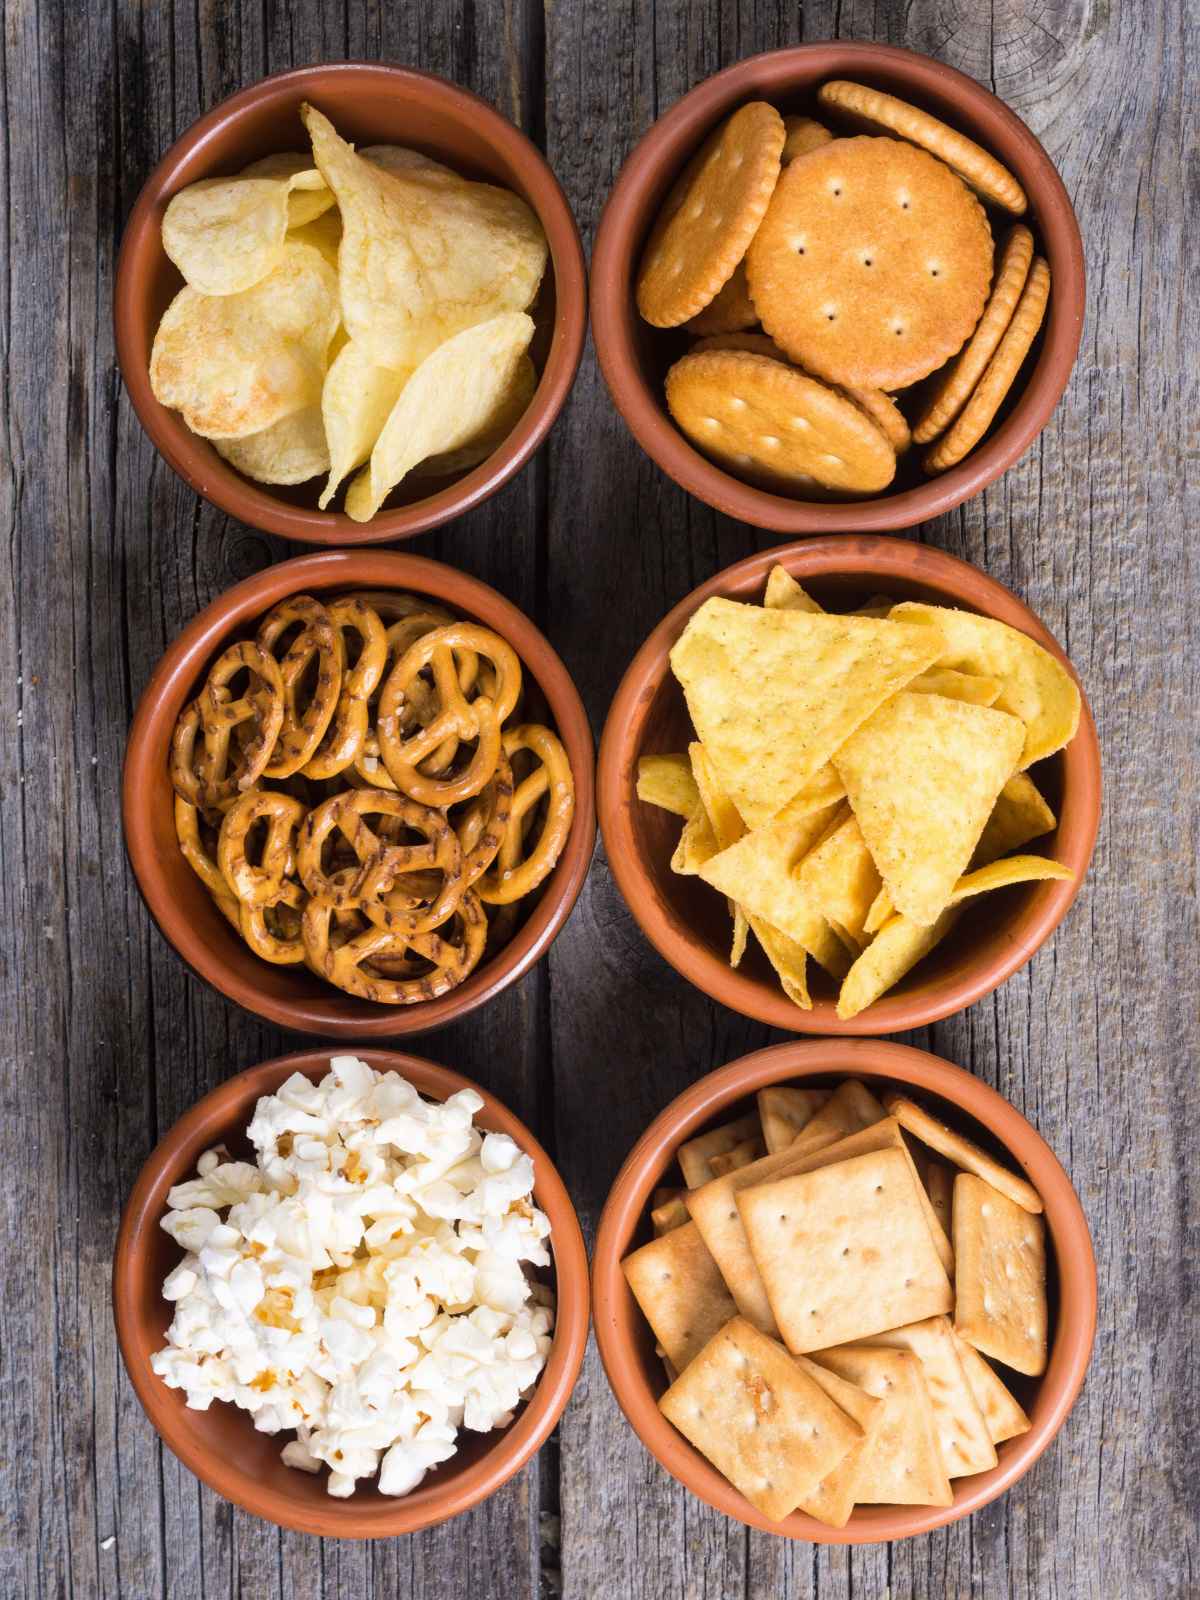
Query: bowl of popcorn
[[351, 1292]]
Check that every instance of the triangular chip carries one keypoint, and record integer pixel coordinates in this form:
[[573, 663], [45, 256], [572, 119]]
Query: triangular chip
[[833, 1499], [667, 781], [789, 959], [697, 843], [922, 775], [894, 950], [1037, 687], [958, 686], [842, 880], [1019, 815], [727, 827], [773, 694], [904, 1467], [680, 1291], [783, 593]]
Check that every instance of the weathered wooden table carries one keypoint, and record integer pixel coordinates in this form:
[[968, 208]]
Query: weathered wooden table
[[108, 1040]]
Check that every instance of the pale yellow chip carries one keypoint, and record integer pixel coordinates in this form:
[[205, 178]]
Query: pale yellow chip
[[356, 401], [323, 233], [697, 844], [292, 450], [422, 259], [1037, 687], [309, 196], [774, 693], [448, 399], [787, 957], [841, 880], [894, 951], [955, 685], [725, 825], [510, 407], [226, 234], [235, 364], [398, 158], [1019, 815], [882, 910], [922, 775], [667, 781], [783, 593], [741, 936]]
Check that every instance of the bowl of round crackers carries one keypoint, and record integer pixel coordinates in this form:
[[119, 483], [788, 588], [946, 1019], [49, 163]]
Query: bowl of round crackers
[[843, 1291], [358, 794], [837, 287], [350, 303], [849, 786]]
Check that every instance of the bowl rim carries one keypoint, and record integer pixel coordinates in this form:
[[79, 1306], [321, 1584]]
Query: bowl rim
[[872, 556], [257, 504], [514, 1445], [336, 1016], [668, 141], [612, 1300]]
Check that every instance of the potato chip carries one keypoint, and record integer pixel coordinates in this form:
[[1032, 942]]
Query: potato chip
[[226, 234], [783, 593], [309, 196], [922, 775], [324, 233], [291, 450], [448, 399], [509, 409], [400, 159], [1037, 687], [356, 401], [841, 880], [667, 781], [235, 364], [958, 686], [423, 259], [774, 693], [1019, 815]]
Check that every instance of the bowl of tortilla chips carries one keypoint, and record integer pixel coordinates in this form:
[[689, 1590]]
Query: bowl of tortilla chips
[[849, 786], [350, 303]]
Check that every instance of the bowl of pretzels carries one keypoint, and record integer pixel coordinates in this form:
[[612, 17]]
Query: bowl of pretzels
[[358, 794]]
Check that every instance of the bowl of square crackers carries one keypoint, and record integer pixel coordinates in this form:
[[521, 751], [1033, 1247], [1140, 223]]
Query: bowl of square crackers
[[844, 1292], [850, 785], [838, 286]]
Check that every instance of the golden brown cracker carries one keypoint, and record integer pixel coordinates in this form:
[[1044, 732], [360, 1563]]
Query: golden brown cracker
[[1000, 1276], [740, 1156], [730, 311], [1004, 1417], [904, 1466], [802, 134], [833, 1499], [962, 1151], [695, 1155], [786, 1112], [680, 1291]]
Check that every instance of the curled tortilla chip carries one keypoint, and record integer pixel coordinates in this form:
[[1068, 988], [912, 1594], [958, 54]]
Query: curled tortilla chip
[[308, 195], [226, 234], [446, 402], [894, 950], [697, 844], [841, 881], [234, 364], [1002, 874], [783, 593], [1019, 815], [423, 259], [667, 781], [789, 959], [291, 450], [356, 401], [509, 409], [1037, 687], [882, 910]]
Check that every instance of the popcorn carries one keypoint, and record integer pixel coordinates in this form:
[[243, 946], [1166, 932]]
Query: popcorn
[[364, 1281]]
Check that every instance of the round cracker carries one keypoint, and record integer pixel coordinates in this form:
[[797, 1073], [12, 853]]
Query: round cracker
[[710, 216], [802, 135], [754, 415], [872, 264], [730, 311], [977, 414], [758, 344], [971, 161], [954, 386], [885, 414]]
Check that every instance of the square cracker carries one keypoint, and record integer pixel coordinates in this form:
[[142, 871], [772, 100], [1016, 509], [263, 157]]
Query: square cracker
[[959, 1423], [904, 1466], [695, 1155], [1000, 1276], [682, 1294], [786, 1112], [849, 1108], [740, 1156], [1004, 1417], [716, 1214], [961, 1151], [670, 1212], [939, 1185], [768, 1426], [833, 1499], [844, 1251]]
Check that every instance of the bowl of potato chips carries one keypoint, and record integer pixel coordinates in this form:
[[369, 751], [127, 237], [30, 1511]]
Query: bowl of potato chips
[[849, 786], [843, 1291], [350, 303]]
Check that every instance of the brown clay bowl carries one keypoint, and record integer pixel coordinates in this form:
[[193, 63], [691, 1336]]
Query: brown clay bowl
[[687, 922], [186, 915], [369, 104], [221, 1445], [627, 1345], [634, 357]]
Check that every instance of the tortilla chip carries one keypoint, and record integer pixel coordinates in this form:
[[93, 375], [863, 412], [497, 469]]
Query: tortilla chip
[[727, 827], [783, 593], [773, 694], [881, 910], [1037, 687], [895, 950], [922, 775], [789, 960], [697, 844], [954, 685], [841, 879], [667, 781], [1019, 815], [1012, 869]]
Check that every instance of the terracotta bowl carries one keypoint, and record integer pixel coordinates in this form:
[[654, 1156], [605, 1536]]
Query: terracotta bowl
[[220, 1445], [627, 1345], [687, 922], [369, 104], [634, 357], [185, 913]]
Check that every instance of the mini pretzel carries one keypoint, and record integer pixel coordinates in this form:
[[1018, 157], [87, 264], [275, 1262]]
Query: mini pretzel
[[348, 963], [482, 827], [302, 733], [381, 864], [421, 704], [348, 728], [511, 878], [478, 720], [283, 944], [263, 885], [210, 778]]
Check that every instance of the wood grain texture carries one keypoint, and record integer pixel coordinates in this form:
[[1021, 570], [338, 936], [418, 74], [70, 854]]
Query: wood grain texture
[[108, 1040]]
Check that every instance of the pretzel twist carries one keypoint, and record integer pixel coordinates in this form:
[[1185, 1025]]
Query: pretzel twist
[[349, 962], [348, 728], [209, 778], [264, 885], [512, 877], [301, 733]]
